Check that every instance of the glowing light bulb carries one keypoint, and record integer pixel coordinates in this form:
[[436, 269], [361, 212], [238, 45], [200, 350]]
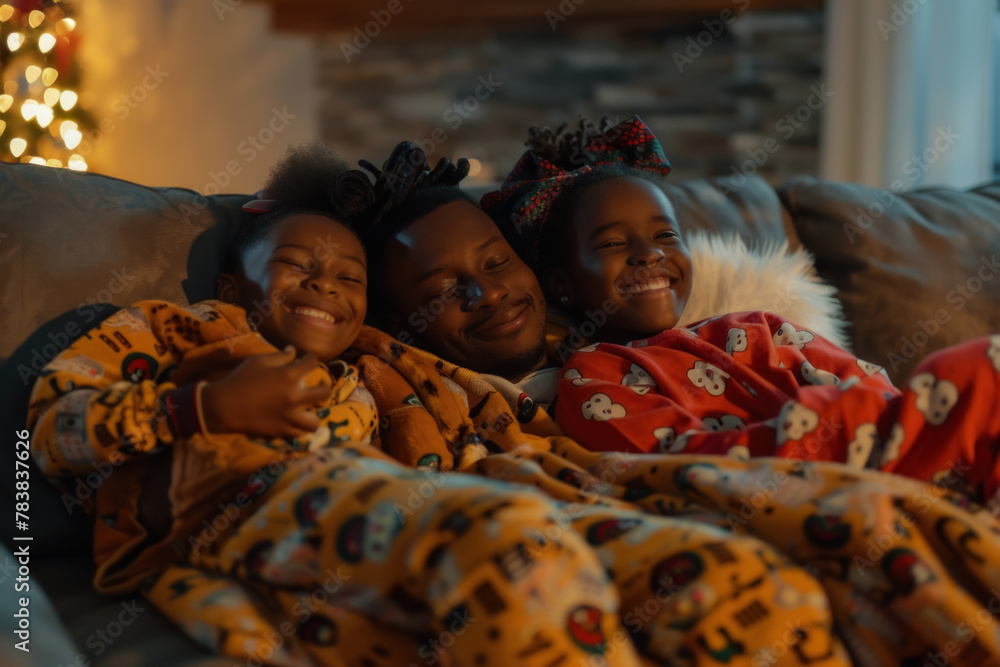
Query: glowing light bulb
[[44, 115], [46, 42], [5, 102], [29, 109], [3, 126], [51, 96], [6, 11], [66, 126], [72, 138], [36, 18], [65, 26], [14, 41], [17, 146], [32, 72], [67, 99], [37, 160], [49, 75], [54, 162], [475, 166], [76, 163]]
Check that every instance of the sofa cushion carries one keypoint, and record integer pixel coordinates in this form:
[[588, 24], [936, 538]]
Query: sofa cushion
[[915, 271], [70, 239], [751, 210]]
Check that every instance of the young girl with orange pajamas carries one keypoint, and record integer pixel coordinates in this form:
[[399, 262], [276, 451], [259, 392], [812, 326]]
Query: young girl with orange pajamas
[[244, 497], [605, 239]]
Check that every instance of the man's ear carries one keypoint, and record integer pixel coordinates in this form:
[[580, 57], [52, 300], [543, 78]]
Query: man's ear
[[226, 288], [560, 288]]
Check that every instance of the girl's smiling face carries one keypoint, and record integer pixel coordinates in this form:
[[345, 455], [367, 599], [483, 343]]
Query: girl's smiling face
[[626, 258]]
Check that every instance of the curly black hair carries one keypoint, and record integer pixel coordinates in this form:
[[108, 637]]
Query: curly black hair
[[405, 189], [311, 178], [566, 149]]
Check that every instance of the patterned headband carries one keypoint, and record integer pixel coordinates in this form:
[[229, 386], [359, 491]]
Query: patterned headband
[[523, 203]]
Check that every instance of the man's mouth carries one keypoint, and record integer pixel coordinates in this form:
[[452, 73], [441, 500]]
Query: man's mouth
[[503, 323]]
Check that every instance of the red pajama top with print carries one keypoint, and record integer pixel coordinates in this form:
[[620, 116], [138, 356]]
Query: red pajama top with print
[[754, 384]]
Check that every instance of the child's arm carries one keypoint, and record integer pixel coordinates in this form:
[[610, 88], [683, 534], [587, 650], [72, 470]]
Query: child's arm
[[108, 397], [737, 382], [100, 399]]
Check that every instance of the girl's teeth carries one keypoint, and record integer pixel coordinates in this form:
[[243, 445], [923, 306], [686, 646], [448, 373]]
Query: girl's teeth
[[312, 312], [652, 284]]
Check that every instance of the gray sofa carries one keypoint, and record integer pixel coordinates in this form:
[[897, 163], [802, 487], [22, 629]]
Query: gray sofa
[[915, 272]]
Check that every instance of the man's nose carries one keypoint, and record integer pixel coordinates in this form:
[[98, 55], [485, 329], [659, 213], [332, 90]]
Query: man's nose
[[484, 293]]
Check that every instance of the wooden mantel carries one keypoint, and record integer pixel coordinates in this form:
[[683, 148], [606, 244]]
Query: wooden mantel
[[317, 16]]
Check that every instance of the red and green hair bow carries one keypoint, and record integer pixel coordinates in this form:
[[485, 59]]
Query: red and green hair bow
[[523, 203]]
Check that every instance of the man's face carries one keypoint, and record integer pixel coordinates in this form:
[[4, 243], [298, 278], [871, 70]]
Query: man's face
[[457, 286]]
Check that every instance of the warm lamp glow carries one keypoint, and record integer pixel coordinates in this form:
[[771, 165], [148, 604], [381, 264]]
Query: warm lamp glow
[[44, 115], [5, 102], [6, 11], [29, 109], [72, 138], [46, 42], [32, 72], [67, 99], [65, 26], [3, 126], [54, 162], [17, 146], [14, 41], [51, 96], [36, 18], [37, 160], [76, 163], [49, 75]]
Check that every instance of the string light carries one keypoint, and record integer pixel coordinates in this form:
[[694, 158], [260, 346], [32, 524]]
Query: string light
[[40, 123]]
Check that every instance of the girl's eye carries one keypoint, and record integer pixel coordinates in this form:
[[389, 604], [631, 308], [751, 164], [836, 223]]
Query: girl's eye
[[294, 265], [667, 235], [353, 279], [610, 244], [497, 263]]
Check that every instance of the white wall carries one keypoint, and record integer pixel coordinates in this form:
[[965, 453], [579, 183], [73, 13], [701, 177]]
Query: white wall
[[193, 93]]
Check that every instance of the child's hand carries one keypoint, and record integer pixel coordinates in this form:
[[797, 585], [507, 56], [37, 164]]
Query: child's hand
[[265, 396]]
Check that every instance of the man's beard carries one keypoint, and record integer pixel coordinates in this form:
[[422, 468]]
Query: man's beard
[[515, 369]]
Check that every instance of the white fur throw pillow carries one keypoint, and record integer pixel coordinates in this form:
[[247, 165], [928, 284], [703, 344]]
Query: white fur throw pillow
[[730, 277]]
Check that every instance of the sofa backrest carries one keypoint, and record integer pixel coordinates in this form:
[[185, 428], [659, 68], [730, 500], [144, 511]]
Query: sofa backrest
[[915, 271]]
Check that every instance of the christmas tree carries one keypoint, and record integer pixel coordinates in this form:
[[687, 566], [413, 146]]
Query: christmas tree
[[40, 118]]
